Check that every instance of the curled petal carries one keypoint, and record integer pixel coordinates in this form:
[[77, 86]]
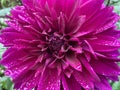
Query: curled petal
[[74, 62]]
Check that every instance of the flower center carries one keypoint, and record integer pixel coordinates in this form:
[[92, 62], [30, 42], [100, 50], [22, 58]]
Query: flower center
[[55, 42]]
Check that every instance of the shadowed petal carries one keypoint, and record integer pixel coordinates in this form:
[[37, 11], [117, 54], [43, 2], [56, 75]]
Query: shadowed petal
[[103, 85], [70, 83], [74, 62]]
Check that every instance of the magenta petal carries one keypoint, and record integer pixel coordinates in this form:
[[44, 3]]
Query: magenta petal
[[90, 5], [104, 43], [8, 29], [112, 32], [106, 68], [29, 3], [7, 38], [109, 58], [74, 62], [84, 79], [103, 85], [113, 78], [49, 80], [70, 83], [110, 23], [75, 25], [12, 58], [61, 21], [89, 68], [97, 27], [15, 71], [27, 83], [66, 6]]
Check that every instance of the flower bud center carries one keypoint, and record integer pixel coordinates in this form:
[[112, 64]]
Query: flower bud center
[[55, 43]]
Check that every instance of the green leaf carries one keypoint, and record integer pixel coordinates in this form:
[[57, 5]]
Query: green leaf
[[118, 24], [2, 49], [6, 83], [116, 86], [5, 11], [1, 71], [117, 8], [3, 3], [1, 87]]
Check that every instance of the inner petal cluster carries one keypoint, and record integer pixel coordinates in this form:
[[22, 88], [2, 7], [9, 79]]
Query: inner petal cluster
[[55, 42]]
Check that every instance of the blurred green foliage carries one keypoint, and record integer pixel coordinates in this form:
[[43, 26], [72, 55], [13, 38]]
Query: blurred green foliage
[[9, 3], [5, 7]]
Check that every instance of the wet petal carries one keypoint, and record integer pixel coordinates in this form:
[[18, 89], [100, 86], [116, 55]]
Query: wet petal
[[12, 58], [84, 79], [49, 80], [27, 83]]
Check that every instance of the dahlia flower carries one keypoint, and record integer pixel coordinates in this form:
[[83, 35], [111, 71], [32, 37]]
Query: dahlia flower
[[61, 45]]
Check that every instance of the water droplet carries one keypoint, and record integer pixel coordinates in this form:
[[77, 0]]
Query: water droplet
[[106, 44]]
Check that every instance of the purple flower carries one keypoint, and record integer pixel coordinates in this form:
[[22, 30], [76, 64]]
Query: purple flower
[[61, 45]]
